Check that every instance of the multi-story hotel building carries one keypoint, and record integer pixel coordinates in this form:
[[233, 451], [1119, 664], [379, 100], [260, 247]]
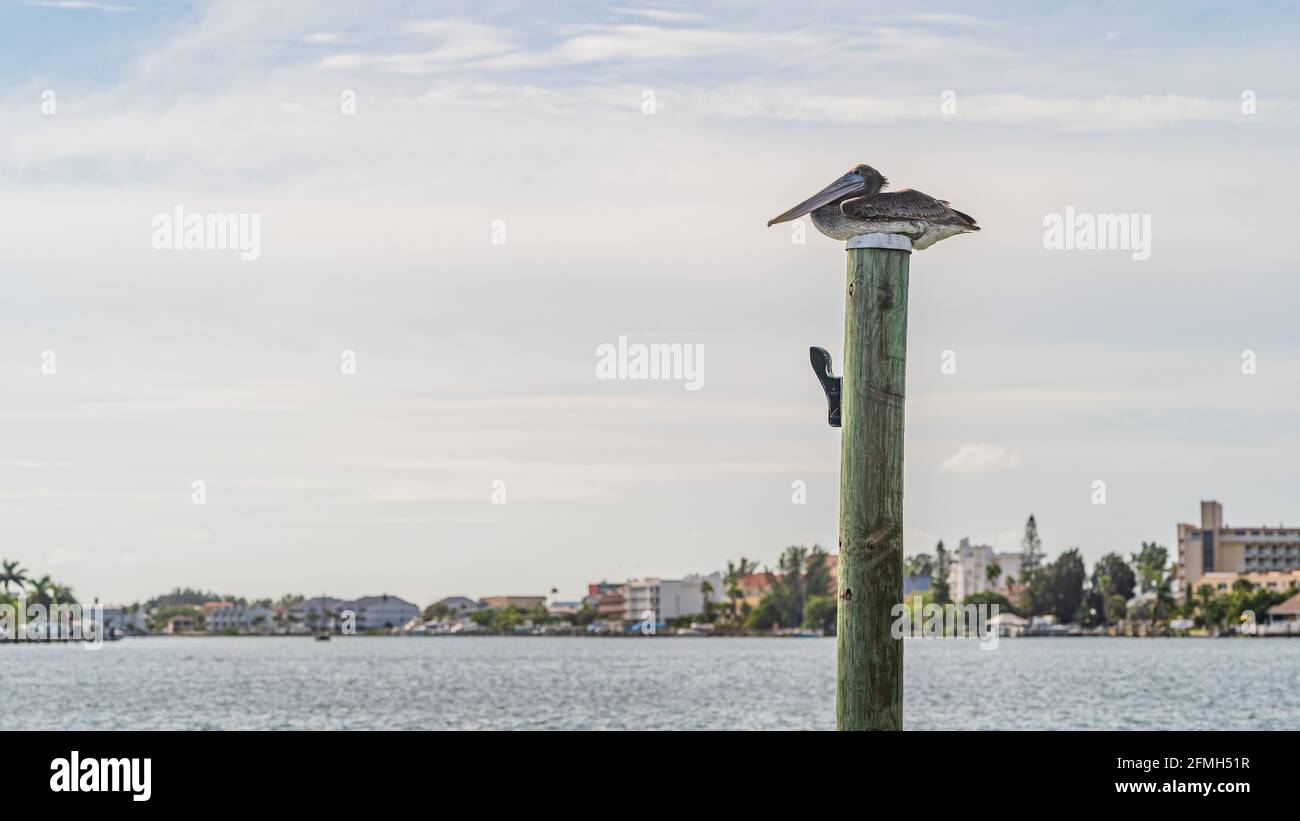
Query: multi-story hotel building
[[1265, 555], [969, 571], [670, 598]]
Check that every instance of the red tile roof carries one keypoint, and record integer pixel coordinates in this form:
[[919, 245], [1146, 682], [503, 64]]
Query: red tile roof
[[1291, 605]]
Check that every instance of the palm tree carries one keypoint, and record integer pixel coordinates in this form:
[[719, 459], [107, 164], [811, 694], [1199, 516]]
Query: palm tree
[[706, 591], [992, 572], [41, 588], [62, 594], [11, 573]]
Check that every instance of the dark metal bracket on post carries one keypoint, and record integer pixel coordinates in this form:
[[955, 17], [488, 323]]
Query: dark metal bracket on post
[[821, 363]]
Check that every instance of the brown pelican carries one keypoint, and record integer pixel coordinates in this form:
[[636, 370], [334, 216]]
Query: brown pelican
[[854, 205]]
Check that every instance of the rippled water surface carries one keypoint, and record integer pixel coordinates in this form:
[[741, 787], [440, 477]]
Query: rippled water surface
[[651, 683]]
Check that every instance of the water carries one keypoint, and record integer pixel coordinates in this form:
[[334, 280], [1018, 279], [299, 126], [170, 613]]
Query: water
[[661, 683]]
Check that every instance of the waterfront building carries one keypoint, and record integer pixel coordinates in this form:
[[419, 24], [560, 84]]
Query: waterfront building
[[671, 598], [180, 624], [382, 612], [1009, 569], [603, 591], [370, 612], [317, 611], [524, 603], [1216, 548], [1286, 613], [218, 617], [1279, 580], [968, 574], [752, 589], [457, 604], [257, 619], [610, 606]]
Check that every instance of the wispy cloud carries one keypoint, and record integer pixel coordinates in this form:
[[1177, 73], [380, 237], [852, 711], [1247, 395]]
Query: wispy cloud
[[946, 19], [980, 458], [455, 43], [85, 5], [660, 15], [778, 83], [467, 44]]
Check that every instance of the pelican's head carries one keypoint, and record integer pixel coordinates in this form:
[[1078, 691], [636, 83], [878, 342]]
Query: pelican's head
[[860, 181]]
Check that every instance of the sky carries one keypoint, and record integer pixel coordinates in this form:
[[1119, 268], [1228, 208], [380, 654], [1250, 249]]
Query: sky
[[519, 184]]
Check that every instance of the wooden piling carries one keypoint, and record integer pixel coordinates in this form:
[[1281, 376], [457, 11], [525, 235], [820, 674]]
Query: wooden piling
[[869, 660]]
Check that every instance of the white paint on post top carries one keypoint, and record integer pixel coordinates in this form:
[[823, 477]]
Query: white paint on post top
[[896, 242]]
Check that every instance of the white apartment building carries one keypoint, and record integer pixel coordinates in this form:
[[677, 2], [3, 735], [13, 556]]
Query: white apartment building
[[222, 616], [969, 572], [670, 598]]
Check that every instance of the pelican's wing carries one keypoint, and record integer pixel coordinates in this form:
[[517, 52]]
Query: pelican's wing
[[903, 206]]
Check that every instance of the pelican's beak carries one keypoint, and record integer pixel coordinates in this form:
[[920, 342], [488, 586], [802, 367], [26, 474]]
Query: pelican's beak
[[844, 186]]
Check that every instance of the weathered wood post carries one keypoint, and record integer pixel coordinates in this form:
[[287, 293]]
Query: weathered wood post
[[867, 402], [869, 660]]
